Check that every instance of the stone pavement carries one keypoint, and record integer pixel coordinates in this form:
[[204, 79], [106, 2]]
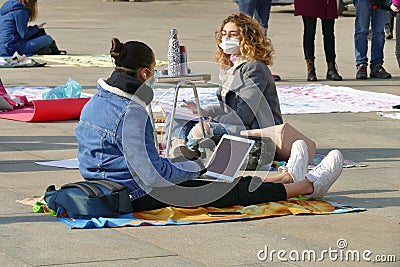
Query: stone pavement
[[86, 27]]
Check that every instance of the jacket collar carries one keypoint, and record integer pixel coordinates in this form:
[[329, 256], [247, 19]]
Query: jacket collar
[[127, 86]]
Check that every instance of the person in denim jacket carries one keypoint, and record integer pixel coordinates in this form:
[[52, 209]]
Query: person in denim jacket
[[118, 147], [116, 142]]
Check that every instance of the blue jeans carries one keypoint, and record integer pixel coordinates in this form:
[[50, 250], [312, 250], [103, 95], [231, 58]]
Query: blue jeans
[[258, 9], [182, 130], [365, 16], [37, 43]]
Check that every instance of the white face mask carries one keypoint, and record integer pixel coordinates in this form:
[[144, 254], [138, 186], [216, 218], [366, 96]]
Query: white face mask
[[230, 46]]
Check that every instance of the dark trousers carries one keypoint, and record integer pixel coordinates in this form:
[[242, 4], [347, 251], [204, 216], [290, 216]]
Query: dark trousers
[[398, 39], [390, 21], [241, 194], [310, 25]]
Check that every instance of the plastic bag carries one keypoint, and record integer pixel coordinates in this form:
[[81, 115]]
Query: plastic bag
[[71, 89]]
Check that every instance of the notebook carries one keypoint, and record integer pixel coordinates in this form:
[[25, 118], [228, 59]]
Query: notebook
[[227, 159], [180, 112]]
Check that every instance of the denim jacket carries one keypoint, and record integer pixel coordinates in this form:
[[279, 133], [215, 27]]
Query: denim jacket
[[116, 142]]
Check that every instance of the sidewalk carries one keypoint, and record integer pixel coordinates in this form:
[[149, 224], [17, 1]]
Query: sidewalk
[[86, 27]]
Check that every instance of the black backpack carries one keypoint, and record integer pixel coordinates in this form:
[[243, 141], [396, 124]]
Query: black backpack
[[90, 199], [50, 50]]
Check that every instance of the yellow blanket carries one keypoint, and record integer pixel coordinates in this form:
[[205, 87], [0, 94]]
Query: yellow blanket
[[103, 61], [291, 206]]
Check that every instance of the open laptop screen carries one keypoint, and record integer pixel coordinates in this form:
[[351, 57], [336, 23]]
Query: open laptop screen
[[229, 157]]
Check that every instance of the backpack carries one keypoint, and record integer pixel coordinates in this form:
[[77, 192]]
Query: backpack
[[89, 199], [50, 50]]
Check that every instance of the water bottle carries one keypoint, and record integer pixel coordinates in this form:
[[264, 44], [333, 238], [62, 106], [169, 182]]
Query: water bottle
[[174, 55], [184, 67]]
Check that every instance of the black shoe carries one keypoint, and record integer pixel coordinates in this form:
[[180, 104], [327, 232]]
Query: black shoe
[[379, 72], [276, 77], [183, 151], [389, 35], [361, 72]]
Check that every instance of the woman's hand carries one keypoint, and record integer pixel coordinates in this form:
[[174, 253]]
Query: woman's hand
[[41, 25], [190, 105]]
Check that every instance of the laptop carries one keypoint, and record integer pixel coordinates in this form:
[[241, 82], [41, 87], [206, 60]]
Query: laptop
[[227, 159]]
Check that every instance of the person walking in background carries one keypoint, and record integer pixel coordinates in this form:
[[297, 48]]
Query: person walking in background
[[389, 25], [258, 9], [395, 6], [310, 10], [366, 16], [15, 34]]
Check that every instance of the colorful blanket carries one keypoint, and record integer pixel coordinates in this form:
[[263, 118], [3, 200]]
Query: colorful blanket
[[185, 216], [18, 61]]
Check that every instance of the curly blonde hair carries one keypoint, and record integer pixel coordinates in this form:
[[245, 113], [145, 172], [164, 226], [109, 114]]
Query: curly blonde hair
[[254, 45]]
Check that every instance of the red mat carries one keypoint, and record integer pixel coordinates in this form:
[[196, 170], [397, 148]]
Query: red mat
[[48, 110]]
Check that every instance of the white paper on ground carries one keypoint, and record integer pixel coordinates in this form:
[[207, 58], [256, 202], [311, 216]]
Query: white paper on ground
[[65, 163], [390, 115], [299, 99]]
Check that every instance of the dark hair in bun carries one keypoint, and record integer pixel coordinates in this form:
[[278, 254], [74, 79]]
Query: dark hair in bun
[[131, 56]]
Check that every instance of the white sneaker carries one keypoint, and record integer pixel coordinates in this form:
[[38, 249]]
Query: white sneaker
[[326, 173], [297, 164]]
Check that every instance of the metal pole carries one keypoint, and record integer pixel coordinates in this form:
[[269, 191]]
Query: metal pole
[[199, 113]]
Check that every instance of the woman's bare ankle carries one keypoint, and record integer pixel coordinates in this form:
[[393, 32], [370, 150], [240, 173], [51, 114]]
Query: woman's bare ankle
[[283, 178], [309, 187], [177, 141]]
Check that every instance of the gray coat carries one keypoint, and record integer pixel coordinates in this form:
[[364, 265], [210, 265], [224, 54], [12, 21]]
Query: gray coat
[[248, 97]]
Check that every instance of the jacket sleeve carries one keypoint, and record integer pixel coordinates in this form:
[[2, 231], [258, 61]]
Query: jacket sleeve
[[21, 22], [248, 85], [214, 110], [146, 166]]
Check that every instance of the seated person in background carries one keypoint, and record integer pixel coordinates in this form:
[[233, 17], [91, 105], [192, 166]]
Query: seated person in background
[[116, 142], [248, 97], [16, 35]]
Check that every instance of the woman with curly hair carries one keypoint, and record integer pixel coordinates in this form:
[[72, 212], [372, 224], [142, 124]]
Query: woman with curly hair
[[16, 35], [248, 97]]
